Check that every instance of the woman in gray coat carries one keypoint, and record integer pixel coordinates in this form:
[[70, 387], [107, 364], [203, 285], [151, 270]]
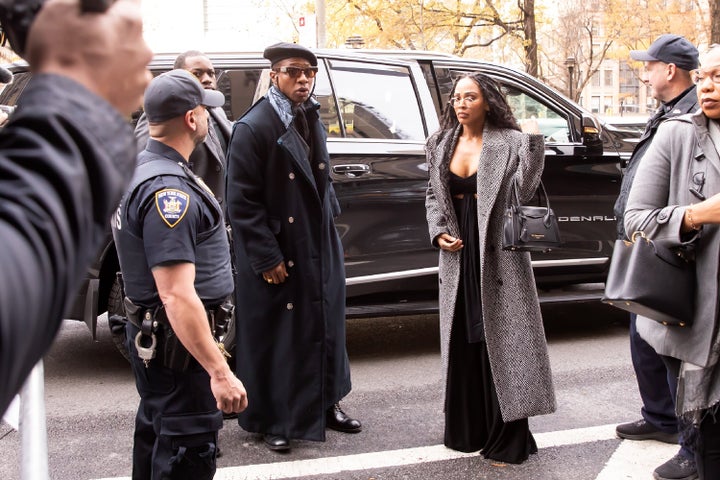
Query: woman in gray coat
[[680, 174], [492, 339]]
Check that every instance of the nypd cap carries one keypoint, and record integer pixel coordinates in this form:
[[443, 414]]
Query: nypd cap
[[669, 48], [281, 51], [174, 93]]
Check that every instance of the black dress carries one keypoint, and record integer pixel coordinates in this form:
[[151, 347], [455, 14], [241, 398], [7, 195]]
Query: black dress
[[472, 413]]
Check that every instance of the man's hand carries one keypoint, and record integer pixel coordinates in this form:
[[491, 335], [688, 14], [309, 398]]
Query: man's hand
[[229, 392], [105, 52], [276, 275]]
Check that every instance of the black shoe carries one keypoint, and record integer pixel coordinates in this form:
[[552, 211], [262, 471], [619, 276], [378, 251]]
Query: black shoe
[[642, 430], [276, 443], [336, 419], [677, 468]]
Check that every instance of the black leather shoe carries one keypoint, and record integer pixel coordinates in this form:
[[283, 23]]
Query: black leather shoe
[[276, 443], [336, 419]]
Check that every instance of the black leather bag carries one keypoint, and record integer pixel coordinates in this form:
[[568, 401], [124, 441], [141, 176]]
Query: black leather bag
[[651, 280], [530, 228]]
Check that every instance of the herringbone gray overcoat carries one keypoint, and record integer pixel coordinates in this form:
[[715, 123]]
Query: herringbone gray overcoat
[[514, 332]]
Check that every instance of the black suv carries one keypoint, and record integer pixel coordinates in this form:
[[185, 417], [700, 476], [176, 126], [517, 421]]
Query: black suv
[[378, 109]]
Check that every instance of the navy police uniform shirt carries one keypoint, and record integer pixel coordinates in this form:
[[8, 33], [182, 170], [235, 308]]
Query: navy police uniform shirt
[[169, 219]]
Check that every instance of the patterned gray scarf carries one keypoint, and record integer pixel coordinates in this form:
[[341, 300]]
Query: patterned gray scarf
[[281, 104]]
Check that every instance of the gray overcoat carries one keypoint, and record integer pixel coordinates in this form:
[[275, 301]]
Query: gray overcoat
[[682, 148], [514, 332]]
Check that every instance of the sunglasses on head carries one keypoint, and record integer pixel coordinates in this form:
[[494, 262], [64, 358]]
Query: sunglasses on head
[[295, 72]]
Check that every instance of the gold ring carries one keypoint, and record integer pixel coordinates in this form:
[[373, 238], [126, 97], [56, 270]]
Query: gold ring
[[269, 280]]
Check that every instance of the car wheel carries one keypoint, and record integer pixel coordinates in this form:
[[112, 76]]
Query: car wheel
[[117, 318]]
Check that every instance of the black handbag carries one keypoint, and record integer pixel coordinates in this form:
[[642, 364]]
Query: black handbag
[[652, 280], [530, 228]]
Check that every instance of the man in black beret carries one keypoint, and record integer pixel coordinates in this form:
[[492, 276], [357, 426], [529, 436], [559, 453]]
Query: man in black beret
[[281, 205]]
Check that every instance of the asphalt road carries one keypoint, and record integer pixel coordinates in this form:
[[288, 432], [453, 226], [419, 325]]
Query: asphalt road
[[397, 393]]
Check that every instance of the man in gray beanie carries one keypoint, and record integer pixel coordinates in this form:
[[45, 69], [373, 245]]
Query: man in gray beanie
[[281, 205]]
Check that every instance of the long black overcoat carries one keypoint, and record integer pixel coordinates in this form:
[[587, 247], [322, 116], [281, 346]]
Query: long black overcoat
[[291, 351]]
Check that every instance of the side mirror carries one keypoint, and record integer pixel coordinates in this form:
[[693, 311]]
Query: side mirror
[[591, 135]]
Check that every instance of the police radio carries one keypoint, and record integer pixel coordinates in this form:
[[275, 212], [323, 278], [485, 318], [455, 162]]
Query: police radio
[[16, 17]]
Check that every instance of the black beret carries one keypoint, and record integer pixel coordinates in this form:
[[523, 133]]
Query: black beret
[[283, 50]]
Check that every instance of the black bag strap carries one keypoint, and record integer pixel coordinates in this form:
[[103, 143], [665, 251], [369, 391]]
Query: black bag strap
[[646, 221], [540, 188]]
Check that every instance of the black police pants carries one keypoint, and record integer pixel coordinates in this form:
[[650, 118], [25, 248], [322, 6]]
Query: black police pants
[[177, 423]]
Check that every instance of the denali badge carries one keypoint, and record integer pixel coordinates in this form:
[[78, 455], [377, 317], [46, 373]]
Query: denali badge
[[583, 218]]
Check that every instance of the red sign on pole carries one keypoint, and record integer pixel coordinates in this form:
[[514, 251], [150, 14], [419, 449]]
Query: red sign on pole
[[302, 21]]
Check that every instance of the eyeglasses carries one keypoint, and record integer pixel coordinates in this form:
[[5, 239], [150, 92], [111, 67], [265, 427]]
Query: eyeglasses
[[698, 76], [469, 100], [295, 72]]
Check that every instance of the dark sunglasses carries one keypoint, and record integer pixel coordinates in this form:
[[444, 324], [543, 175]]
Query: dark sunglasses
[[295, 72]]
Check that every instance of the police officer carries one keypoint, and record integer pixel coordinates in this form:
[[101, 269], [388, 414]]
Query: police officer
[[174, 256]]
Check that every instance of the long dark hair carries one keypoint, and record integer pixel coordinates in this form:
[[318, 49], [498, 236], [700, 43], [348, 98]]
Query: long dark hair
[[499, 114]]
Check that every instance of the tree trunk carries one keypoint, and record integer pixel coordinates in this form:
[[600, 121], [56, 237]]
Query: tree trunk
[[714, 21], [530, 43]]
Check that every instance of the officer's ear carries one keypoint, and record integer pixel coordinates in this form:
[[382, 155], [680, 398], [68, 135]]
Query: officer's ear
[[191, 119]]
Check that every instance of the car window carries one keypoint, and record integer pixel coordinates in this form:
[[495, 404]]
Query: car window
[[533, 115], [328, 108], [536, 117], [239, 87], [376, 101]]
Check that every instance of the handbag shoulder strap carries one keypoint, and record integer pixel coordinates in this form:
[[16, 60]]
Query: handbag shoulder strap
[[646, 221], [516, 194]]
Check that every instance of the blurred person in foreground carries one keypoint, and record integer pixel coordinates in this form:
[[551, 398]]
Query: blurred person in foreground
[[680, 174], [668, 63], [494, 354], [66, 156], [170, 235], [281, 204]]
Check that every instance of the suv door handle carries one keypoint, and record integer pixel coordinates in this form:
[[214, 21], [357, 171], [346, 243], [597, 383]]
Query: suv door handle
[[352, 170]]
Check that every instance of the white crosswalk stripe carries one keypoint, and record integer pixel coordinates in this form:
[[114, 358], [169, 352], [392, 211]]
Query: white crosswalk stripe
[[631, 460]]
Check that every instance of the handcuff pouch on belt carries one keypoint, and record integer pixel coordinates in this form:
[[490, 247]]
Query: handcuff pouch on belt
[[155, 329], [165, 346]]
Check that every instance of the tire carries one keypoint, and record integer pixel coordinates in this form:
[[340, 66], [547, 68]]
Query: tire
[[116, 318]]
